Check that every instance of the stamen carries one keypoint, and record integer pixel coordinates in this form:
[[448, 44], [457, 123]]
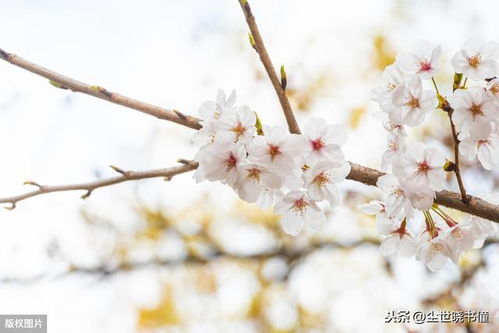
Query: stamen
[[230, 162], [300, 206], [273, 151], [322, 179], [413, 102], [475, 60], [317, 144], [476, 110], [423, 167], [253, 175]]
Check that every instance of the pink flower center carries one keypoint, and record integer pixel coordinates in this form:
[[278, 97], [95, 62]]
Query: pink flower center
[[230, 162], [238, 129], [317, 144], [273, 151], [423, 167], [322, 179], [424, 66], [300, 206], [253, 175]]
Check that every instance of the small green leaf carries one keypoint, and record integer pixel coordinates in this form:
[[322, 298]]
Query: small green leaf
[[57, 84], [258, 125], [458, 77], [284, 78]]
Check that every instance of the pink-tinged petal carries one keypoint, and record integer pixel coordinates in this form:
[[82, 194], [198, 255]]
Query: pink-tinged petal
[[221, 97], [407, 246], [408, 62], [314, 192], [437, 179], [462, 118], [474, 46], [315, 128], [389, 245], [249, 192], [415, 86], [461, 98], [232, 99], [460, 62], [414, 117], [436, 262], [276, 135], [468, 149], [387, 183], [292, 224], [435, 157], [486, 70], [336, 134], [481, 130], [372, 208], [315, 219], [332, 195], [485, 157], [340, 172]]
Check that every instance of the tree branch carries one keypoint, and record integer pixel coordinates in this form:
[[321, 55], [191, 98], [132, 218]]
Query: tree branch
[[269, 68], [359, 173], [64, 82], [89, 187]]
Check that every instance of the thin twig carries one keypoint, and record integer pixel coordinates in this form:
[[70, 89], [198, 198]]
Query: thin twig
[[457, 169], [64, 82], [269, 68], [359, 173], [91, 186]]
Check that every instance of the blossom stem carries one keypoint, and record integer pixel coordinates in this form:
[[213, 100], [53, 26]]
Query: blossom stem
[[430, 224], [464, 83], [269, 68], [435, 85], [448, 220], [464, 197]]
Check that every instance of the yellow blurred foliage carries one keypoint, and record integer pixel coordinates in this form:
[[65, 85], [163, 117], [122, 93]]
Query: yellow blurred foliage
[[254, 214], [163, 314], [356, 115], [383, 54]]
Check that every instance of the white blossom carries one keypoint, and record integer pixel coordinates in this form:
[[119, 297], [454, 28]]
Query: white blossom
[[396, 203], [321, 180], [277, 149], [477, 59], [472, 107], [460, 237], [392, 78], [297, 209], [210, 110], [253, 179], [324, 141], [400, 242], [424, 61], [482, 143], [220, 160], [432, 252], [395, 148], [420, 168], [384, 223], [411, 102], [240, 124]]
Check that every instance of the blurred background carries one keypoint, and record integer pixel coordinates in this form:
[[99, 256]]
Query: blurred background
[[156, 256]]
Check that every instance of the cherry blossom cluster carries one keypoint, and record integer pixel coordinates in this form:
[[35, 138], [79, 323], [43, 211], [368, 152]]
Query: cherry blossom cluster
[[415, 171], [297, 174]]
